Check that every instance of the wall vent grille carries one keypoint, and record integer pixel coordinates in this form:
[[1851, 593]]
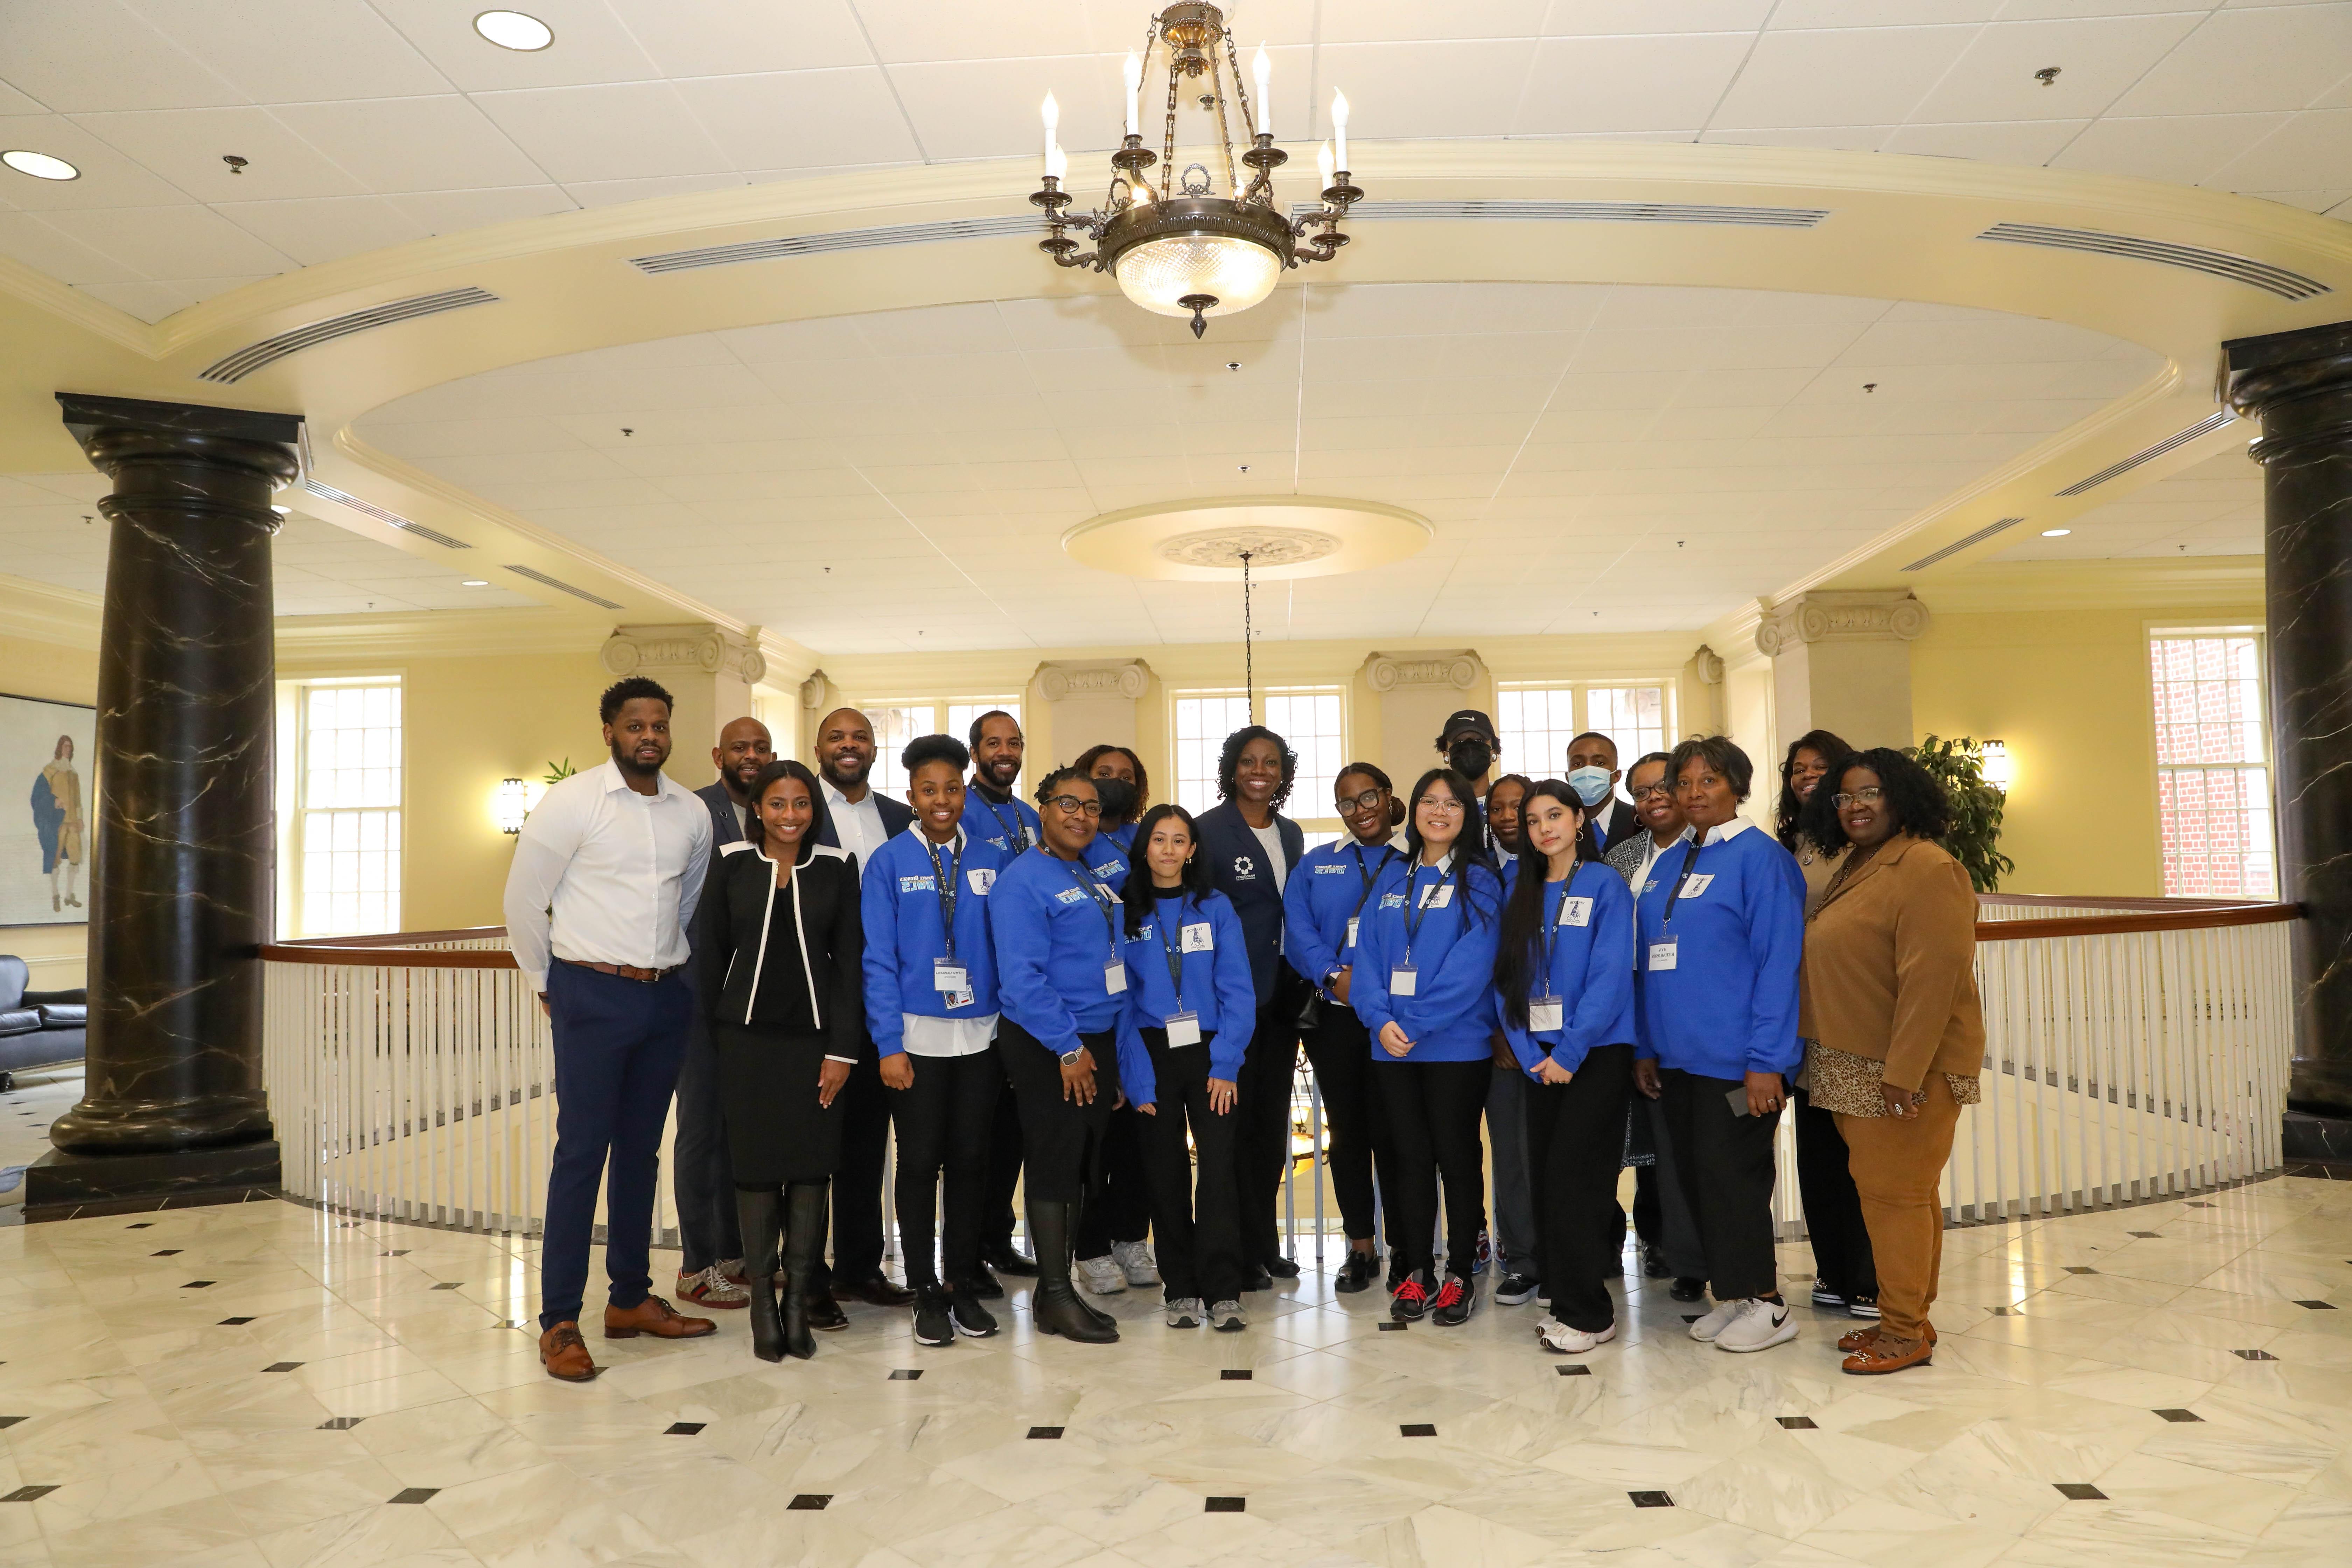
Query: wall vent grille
[[2222, 264], [2206, 426], [236, 367], [1584, 211], [1956, 546], [1027, 224], [382, 515], [560, 586]]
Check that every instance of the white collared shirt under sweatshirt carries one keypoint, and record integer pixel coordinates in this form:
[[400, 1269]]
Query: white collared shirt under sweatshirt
[[605, 875], [858, 824]]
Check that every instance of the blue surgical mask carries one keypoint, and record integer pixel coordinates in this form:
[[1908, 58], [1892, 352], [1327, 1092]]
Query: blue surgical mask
[[1590, 784]]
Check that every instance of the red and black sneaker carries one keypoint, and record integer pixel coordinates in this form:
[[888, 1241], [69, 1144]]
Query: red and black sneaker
[[1452, 1308], [1409, 1300]]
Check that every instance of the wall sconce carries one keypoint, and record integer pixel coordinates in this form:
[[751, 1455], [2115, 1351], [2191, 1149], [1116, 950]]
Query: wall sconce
[[1999, 769], [513, 804]]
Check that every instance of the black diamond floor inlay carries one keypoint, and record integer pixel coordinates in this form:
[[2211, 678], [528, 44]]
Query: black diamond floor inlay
[[167, 1252], [142, 1225], [1798, 1423], [809, 1502], [12, 1420], [1235, 1374], [2007, 1312], [1651, 1499], [199, 1284], [2197, 1205], [397, 1252], [1226, 1505], [2318, 1306], [414, 1494], [2080, 1492], [2180, 1415], [449, 1285], [682, 1428], [1394, 1328], [281, 1366], [27, 1494], [2254, 1355], [234, 1322], [2080, 1268], [2146, 1234], [340, 1423], [1574, 1371], [1045, 1434], [1417, 1429], [905, 1375]]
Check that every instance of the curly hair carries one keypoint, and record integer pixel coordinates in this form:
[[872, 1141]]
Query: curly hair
[[1913, 798], [1823, 744], [1055, 778], [628, 688], [1230, 759], [1718, 753], [934, 749]]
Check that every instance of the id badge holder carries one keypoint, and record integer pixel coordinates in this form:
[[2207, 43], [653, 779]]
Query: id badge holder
[[1404, 980], [1661, 956], [1544, 1013], [1115, 978], [1183, 1028], [1351, 928], [948, 975]]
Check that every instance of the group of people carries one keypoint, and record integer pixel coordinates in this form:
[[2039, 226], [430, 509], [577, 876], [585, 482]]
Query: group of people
[[1099, 1001]]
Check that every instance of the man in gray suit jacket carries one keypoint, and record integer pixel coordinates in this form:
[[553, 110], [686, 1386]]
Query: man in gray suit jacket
[[711, 1273]]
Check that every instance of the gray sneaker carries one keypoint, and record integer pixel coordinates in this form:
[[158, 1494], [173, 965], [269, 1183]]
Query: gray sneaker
[[1226, 1316], [1184, 1312], [1135, 1260], [1102, 1275]]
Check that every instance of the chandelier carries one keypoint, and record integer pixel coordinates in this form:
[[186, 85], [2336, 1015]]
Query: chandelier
[[1177, 248]]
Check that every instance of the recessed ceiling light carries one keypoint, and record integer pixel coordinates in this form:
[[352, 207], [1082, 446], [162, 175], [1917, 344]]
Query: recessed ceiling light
[[40, 166], [2056, 533], [514, 30], [473, 583]]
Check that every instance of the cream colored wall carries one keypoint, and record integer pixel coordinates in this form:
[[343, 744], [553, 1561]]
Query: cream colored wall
[[57, 955]]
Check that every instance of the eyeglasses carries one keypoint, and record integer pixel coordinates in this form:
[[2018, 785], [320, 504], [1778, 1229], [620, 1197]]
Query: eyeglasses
[[1071, 806], [1368, 801], [1662, 789], [1443, 807], [1867, 796]]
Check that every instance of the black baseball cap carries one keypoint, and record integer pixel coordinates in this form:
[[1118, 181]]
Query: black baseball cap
[[1471, 719]]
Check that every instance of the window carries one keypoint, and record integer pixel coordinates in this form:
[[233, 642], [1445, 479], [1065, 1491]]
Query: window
[[896, 723], [1537, 723], [348, 826], [1203, 722], [2212, 773], [1310, 721]]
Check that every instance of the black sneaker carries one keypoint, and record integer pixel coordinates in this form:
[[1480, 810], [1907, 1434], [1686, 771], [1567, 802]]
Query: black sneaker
[[1654, 1263], [933, 1323], [1257, 1277], [1688, 1290], [1452, 1308], [983, 1285], [1411, 1299], [1825, 1297], [1515, 1290], [972, 1320], [1355, 1273], [1861, 1306]]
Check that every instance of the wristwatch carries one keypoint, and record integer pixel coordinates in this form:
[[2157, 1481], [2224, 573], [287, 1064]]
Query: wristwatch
[[1069, 1058], [1331, 977]]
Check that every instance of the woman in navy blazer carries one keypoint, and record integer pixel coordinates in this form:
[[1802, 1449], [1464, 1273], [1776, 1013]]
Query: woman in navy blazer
[[1251, 846]]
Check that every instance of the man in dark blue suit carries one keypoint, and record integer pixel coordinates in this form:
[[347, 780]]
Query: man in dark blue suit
[[1251, 847]]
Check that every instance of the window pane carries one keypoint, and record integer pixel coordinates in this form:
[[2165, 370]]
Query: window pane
[[348, 834], [1310, 722], [1635, 717], [893, 727], [962, 714], [1535, 726], [1202, 725], [2214, 787]]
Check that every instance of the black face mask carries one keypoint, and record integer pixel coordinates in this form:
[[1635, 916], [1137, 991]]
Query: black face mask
[[1470, 756], [1117, 797]]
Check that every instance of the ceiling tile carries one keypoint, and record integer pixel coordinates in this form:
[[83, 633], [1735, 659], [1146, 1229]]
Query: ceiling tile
[[1863, 76], [2186, 150], [2030, 143], [165, 242], [187, 147], [2096, 58], [340, 48], [1578, 18], [621, 131], [592, 45], [612, 193], [714, 38], [988, 108], [1803, 13], [316, 231], [2247, 61], [97, 54], [801, 118], [109, 178], [455, 212], [1620, 84], [399, 144], [2312, 150], [24, 238]]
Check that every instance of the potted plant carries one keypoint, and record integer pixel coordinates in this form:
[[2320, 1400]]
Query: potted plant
[[1959, 766]]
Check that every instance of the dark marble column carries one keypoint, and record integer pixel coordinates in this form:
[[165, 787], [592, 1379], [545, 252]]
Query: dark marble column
[[182, 868], [2299, 384]]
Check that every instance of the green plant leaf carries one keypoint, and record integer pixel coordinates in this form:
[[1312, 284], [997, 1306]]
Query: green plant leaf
[[1975, 838], [557, 772]]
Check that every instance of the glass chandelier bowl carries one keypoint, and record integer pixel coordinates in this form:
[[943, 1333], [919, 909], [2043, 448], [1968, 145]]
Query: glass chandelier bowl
[[1208, 255]]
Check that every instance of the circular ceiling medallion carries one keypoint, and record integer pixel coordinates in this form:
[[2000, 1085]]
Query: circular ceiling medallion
[[1286, 536]]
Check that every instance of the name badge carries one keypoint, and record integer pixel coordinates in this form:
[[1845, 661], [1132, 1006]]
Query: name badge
[[1352, 921], [1183, 1028], [1576, 911], [1661, 956], [914, 884], [1404, 980], [1696, 884], [1199, 939], [979, 879], [949, 975], [1544, 1013], [1115, 978], [1437, 897]]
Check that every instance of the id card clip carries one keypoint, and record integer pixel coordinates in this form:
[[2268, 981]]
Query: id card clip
[[1404, 980], [1183, 1028]]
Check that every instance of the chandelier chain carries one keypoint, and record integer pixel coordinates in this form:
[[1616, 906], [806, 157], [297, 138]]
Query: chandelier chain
[[1224, 135], [1167, 155], [1249, 634]]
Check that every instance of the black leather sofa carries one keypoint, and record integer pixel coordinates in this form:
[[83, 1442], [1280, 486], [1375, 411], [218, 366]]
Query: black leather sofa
[[37, 1028]]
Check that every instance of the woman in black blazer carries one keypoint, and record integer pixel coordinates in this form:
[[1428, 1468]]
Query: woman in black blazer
[[779, 953], [1251, 847]]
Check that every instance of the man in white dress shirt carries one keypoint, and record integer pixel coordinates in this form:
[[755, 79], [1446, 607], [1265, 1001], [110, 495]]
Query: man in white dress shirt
[[603, 888]]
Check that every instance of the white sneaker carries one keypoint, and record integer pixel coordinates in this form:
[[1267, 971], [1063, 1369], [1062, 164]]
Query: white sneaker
[[1135, 1260], [1102, 1275], [1226, 1316], [1759, 1326], [1559, 1336], [1185, 1312], [1704, 1330]]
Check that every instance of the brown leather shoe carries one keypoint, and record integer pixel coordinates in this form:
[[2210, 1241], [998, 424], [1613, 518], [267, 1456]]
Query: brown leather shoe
[[654, 1316], [565, 1355], [876, 1291], [1863, 1338], [1886, 1353]]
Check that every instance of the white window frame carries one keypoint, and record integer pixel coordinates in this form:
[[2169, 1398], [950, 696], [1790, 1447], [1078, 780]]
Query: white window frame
[[1314, 817], [885, 776], [294, 730], [2152, 634], [1580, 705]]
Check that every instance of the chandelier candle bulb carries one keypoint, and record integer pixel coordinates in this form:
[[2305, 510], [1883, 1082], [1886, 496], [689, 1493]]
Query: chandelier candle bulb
[[1057, 163], [1339, 123], [1323, 164], [1133, 72], [1262, 68], [1051, 114]]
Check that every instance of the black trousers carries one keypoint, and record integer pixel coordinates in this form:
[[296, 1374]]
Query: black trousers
[[1119, 1207], [1061, 1141], [1725, 1166], [1003, 1162], [1576, 1146], [1842, 1253], [1341, 1052], [707, 1226], [858, 1183], [1262, 1141], [945, 1119], [1433, 1112], [1193, 1210]]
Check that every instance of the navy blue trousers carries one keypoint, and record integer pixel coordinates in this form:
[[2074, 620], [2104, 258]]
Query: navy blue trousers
[[617, 1047]]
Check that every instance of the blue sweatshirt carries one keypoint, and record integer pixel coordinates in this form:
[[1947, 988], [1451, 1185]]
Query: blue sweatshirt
[[899, 897], [1057, 928], [984, 819], [1217, 983], [1450, 1017], [1729, 1005], [1122, 837], [1591, 969], [1322, 895]]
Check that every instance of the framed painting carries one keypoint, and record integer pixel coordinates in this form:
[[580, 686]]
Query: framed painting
[[48, 755]]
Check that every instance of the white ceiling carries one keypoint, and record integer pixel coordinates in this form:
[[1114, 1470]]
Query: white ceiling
[[2212, 508], [369, 122], [51, 532], [1592, 458]]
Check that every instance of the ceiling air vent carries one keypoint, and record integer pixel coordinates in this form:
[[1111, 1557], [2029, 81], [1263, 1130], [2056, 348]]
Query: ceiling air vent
[[2206, 426], [560, 586], [1584, 211], [236, 367], [1024, 225], [2245, 269], [391, 519], [1956, 546]]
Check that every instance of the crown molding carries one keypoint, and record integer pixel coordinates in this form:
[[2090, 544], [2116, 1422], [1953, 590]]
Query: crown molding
[[2125, 584], [439, 633], [42, 612], [70, 305]]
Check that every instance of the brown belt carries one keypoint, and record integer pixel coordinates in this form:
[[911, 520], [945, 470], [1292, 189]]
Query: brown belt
[[625, 970]]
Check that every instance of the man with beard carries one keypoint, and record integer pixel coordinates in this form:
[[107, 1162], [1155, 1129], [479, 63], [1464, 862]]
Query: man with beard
[[859, 819], [992, 810], [605, 877], [711, 1273]]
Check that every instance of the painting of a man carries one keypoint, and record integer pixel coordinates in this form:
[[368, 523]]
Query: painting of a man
[[57, 822]]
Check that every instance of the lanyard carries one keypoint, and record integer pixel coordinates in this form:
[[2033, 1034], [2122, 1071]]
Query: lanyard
[[1414, 908], [1104, 902], [1551, 926], [1175, 952], [1386, 850], [1016, 832], [945, 880], [1682, 874]]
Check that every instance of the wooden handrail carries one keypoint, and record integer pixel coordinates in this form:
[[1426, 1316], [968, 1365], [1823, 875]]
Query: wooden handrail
[[389, 957], [396, 938], [2108, 925], [2103, 901]]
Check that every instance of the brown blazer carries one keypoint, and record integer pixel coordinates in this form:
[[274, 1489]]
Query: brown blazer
[[1888, 966]]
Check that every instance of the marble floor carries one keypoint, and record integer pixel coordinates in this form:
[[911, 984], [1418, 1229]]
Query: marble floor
[[268, 1385]]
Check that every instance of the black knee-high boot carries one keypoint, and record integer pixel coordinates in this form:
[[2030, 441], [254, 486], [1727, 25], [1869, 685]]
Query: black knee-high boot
[[760, 1213], [1054, 1304], [1077, 1226], [804, 1234]]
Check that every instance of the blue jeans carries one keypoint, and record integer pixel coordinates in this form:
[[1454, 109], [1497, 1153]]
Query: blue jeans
[[617, 1046]]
